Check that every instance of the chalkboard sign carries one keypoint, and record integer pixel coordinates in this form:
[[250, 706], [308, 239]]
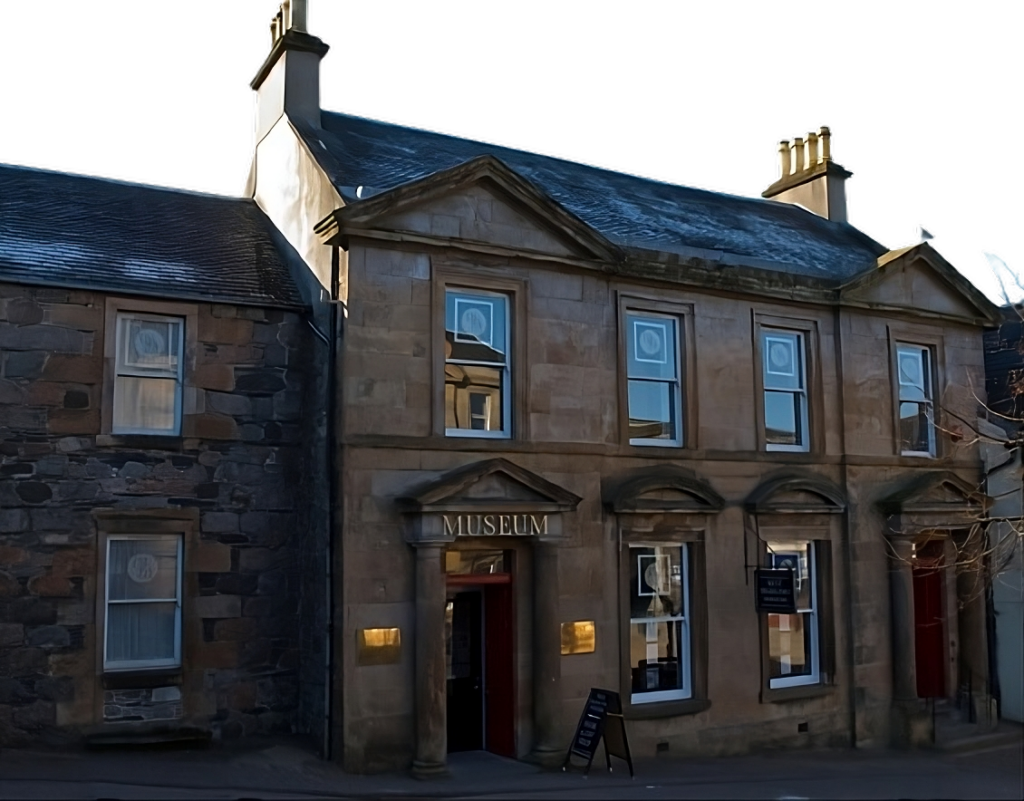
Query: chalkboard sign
[[601, 719], [776, 591]]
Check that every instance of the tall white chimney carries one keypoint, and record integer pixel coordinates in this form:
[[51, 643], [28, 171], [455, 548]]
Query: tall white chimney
[[810, 178]]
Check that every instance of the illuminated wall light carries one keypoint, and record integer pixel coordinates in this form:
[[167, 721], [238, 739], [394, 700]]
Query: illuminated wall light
[[379, 646], [578, 637]]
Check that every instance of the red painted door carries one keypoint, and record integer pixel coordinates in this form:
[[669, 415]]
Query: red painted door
[[929, 629], [499, 683]]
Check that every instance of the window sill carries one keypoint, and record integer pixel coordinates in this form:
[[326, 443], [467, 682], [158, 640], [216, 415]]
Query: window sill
[[801, 692], [140, 441], [141, 678], [666, 709]]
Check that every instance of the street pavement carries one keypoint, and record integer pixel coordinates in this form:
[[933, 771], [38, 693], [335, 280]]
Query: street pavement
[[281, 769]]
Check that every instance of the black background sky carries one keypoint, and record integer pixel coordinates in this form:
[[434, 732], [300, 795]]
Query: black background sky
[[158, 92]]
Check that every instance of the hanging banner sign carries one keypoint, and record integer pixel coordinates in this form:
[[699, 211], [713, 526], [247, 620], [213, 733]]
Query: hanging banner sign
[[776, 591]]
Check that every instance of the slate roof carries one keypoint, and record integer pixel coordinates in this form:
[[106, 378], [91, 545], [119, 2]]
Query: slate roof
[[630, 211], [77, 231]]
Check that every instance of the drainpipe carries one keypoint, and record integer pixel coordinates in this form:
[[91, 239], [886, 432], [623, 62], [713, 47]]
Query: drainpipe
[[332, 499]]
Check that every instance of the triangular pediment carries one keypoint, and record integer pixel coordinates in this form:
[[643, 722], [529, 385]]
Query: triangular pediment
[[662, 489], [482, 202], [491, 484], [919, 280], [796, 493], [942, 492]]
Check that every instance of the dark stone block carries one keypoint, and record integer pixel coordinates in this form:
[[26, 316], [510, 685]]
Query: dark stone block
[[209, 629], [119, 460], [259, 382], [48, 637], [183, 462], [76, 399], [27, 364], [33, 491], [23, 662], [56, 688], [237, 584], [273, 582], [30, 611], [24, 311], [17, 469], [16, 692], [34, 717], [210, 490]]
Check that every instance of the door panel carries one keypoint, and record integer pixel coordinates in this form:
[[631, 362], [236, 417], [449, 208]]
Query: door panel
[[499, 681], [929, 632]]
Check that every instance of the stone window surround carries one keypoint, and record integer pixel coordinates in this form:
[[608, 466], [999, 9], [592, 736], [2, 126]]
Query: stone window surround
[[690, 531], [468, 278], [820, 531], [190, 313], [813, 388], [909, 334], [630, 300], [184, 522]]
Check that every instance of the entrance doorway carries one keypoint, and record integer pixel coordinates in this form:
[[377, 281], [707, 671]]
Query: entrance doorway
[[479, 654], [929, 620]]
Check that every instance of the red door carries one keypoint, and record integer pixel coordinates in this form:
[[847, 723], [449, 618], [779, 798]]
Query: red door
[[929, 628], [499, 681]]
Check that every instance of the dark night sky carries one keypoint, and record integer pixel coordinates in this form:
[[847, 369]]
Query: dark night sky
[[160, 95]]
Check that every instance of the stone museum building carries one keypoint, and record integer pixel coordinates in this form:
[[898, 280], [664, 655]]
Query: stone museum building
[[430, 437]]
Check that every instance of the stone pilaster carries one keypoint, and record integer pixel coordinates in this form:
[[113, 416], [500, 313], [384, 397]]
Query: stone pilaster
[[911, 722]]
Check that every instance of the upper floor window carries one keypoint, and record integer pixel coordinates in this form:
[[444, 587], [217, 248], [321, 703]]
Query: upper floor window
[[654, 393], [784, 371], [148, 375], [477, 378], [917, 429]]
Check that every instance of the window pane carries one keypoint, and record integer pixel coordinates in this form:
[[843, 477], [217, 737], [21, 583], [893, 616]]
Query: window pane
[[783, 418], [145, 404], [143, 569], [656, 656], [473, 397], [652, 410], [913, 373], [794, 556], [150, 344], [915, 430], [651, 347], [140, 632], [475, 327], [783, 362], [789, 645], [656, 581]]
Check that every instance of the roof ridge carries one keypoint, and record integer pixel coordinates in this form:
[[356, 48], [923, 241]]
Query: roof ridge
[[121, 182], [649, 179]]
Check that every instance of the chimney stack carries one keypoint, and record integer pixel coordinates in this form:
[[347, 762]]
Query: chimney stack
[[810, 178], [288, 83]]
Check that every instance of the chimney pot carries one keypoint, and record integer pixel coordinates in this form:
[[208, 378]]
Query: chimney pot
[[798, 155], [812, 150], [825, 136], [784, 161]]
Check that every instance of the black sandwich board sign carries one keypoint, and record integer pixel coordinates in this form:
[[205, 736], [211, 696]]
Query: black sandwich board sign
[[601, 719], [776, 590]]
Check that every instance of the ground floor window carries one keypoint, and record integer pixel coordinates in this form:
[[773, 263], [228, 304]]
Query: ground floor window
[[793, 639], [659, 622], [142, 601]]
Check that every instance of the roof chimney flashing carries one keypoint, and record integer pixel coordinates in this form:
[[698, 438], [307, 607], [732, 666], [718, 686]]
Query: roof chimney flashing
[[809, 178]]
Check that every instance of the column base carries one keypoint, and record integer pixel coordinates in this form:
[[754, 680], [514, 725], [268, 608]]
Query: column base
[[912, 724], [429, 770], [546, 757]]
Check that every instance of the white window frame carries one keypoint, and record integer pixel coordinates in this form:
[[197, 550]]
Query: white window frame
[[805, 445], [814, 677], [506, 381], [924, 356], [138, 664], [676, 383], [123, 370], [685, 646]]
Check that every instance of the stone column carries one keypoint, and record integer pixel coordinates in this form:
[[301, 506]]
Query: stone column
[[901, 587], [911, 719], [547, 648], [431, 717]]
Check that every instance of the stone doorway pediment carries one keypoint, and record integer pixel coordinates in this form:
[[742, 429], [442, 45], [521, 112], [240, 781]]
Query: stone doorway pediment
[[796, 493]]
